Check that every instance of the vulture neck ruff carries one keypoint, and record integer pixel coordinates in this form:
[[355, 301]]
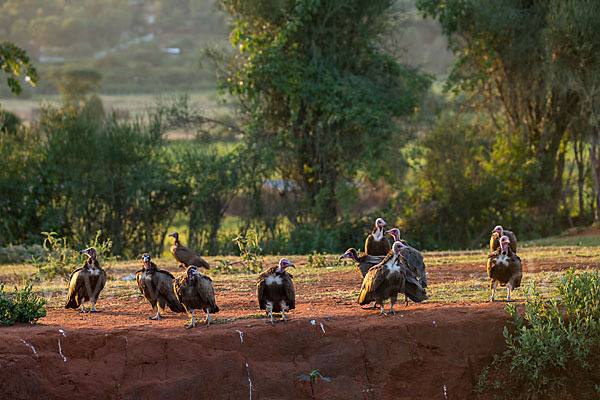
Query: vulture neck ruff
[[378, 234], [274, 280]]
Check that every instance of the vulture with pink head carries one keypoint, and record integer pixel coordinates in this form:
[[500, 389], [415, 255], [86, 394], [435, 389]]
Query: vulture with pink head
[[504, 267], [86, 283], [497, 233], [195, 292], [377, 244], [275, 290], [157, 287]]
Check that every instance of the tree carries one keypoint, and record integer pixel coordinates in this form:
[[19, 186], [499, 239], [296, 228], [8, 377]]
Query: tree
[[503, 59], [320, 90], [15, 62]]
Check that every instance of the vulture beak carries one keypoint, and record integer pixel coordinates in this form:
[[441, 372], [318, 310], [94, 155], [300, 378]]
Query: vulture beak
[[345, 255], [86, 252], [173, 234]]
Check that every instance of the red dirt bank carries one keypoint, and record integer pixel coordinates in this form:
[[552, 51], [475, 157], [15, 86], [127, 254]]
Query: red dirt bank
[[412, 355]]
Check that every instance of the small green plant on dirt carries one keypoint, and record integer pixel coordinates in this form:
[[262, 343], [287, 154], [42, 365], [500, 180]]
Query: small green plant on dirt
[[250, 251], [25, 306], [311, 378], [316, 260], [553, 350], [62, 260]]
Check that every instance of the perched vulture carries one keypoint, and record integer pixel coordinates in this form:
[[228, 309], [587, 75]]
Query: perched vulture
[[376, 243], [413, 258], [384, 281], [504, 267], [184, 256], [157, 287], [195, 292], [364, 261], [86, 283], [497, 233], [275, 290]]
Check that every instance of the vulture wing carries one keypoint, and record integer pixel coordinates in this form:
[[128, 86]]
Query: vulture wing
[[377, 248], [206, 293], [374, 278], [513, 240], [260, 290], [76, 285], [164, 285], [290, 293]]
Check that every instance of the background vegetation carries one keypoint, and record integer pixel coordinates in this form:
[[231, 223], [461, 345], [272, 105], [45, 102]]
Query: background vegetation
[[331, 123]]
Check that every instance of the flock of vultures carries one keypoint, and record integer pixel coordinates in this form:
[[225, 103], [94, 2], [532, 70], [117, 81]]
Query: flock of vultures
[[387, 270]]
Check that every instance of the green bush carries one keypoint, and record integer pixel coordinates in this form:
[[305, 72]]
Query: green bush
[[25, 307], [20, 254], [553, 350]]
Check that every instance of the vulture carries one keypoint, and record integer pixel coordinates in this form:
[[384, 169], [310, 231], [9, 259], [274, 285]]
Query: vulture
[[195, 292], [157, 287], [384, 281], [413, 258], [412, 288], [497, 233], [275, 290], [184, 256], [86, 282], [504, 267], [364, 261], [376, 243]]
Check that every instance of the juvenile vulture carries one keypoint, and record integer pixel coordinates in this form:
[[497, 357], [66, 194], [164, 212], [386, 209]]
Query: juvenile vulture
[[184, 256], [376, 243], [504, 267], [497, 233], [384, 280], [412, 288], [195, 292], [86, 283], [157, 287], [275, 290], [413, 258], [364, 261]]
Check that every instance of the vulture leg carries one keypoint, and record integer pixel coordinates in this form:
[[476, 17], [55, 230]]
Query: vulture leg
[[283, 307], [94, 307], [508, 286], [494, 284], [405, 301], [192, 324], [393, 301], [83, 306], [208, 318], [157, 316], [382, 310], [269, 308]]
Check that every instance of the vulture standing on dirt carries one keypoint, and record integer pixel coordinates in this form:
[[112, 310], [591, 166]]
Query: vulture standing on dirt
[[504, 267], [195, 292], [184, 256], [384, 280], [497, 233], [376, 243], [413, 257], [275, 290], [157, 287], [86, 283], [364, 261]]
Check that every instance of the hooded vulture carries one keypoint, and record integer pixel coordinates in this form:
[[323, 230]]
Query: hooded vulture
[[275, 290], [384, 280], [497, 233], [504, 267], [86, 283], [413, 258], [195, 292], [184, 256], [157, 287], [364, 261], [376, 243]]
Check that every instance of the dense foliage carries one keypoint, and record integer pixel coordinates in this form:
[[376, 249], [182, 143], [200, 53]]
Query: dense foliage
[[553, 350], [25, 306]]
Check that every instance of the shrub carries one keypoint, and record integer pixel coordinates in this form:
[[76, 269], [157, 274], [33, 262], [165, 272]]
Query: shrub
[[26, 306], [553, 351]]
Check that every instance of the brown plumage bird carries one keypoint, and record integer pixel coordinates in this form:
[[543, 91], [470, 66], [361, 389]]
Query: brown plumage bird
[[157, 287], [504, 267], [275, 290], [86, 283], [384, 281], [195, 292], [413, 258], [497, 233], [364, 261], [184, 256], [376, 243]]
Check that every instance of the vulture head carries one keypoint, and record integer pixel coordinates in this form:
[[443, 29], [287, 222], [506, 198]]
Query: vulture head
[[175, 235], [498, 229], [379, 223], [192, 273], [397, 247], [283, 264], [90, 252], [146, 260], [350, 253], [504, 243], [395, 232]]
